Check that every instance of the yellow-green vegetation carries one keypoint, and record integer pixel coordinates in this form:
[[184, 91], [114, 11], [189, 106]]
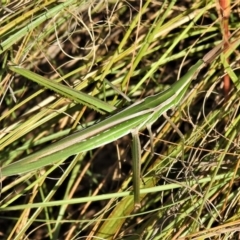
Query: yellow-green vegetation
[[67, 65]]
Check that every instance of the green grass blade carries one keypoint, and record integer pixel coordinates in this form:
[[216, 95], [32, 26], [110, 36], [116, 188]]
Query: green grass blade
[[66, 91]]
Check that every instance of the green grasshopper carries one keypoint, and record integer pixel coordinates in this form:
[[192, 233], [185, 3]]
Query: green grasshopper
[[132, 119]]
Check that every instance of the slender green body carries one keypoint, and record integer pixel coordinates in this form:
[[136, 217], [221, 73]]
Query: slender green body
[[116, 126], [130, 120]]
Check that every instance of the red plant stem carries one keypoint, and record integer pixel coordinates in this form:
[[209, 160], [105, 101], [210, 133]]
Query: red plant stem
[[225, 10]]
